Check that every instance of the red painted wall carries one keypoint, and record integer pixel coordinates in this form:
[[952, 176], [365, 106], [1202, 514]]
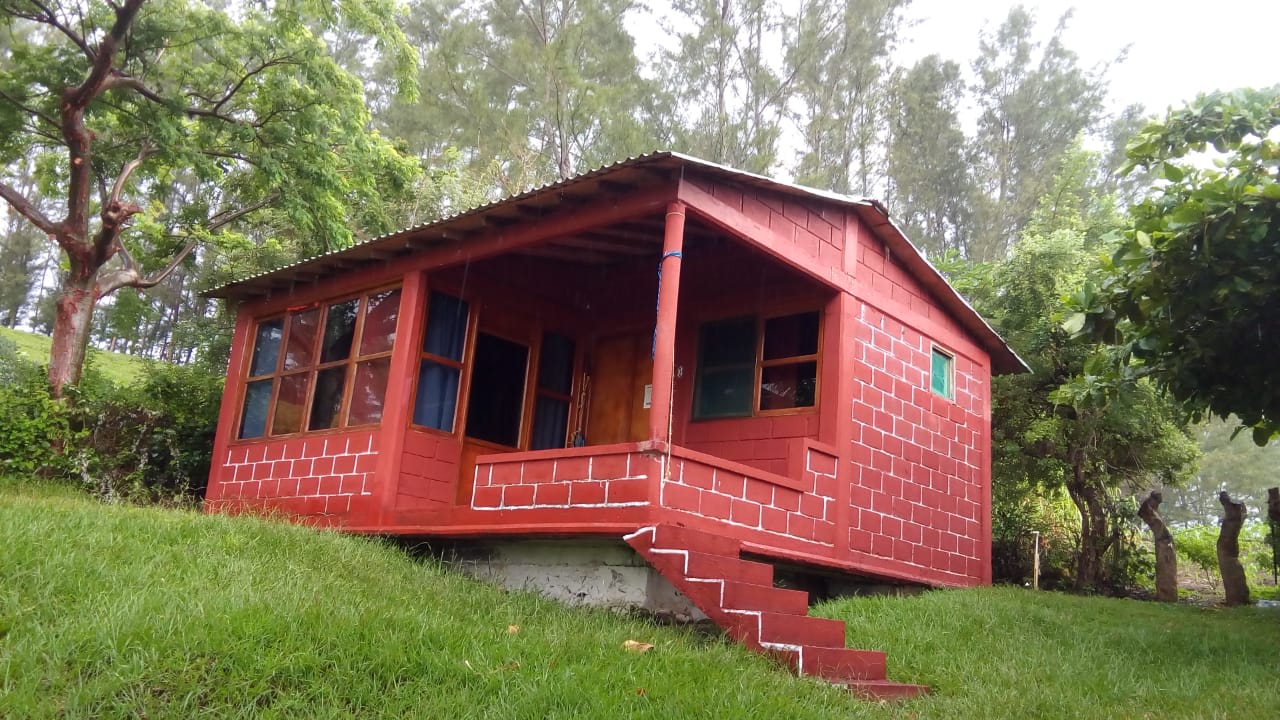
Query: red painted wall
[[895, 483], [329, 474]]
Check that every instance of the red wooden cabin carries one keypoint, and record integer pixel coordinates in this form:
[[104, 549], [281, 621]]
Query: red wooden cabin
[[663, 342]]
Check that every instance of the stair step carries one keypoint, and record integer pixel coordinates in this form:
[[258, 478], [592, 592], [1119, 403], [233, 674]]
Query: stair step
[[678, 537], [835, 663], [772, 627], [885, 689], [704, 565], [747, 596]]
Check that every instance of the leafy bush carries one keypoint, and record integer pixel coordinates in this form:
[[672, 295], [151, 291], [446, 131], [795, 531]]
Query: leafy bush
[[1014, 524], [34, 425], [149, 441]]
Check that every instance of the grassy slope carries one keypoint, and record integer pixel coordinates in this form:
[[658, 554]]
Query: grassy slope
[[117, 367], [124, 612]]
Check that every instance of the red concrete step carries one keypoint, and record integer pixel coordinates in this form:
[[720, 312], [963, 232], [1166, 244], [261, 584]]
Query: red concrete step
[[840, 664], [885, 689], [779, 628], [678, 537], [703, 565], [748, 596]]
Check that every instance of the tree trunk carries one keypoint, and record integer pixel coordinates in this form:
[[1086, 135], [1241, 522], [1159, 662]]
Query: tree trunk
[[1273, 516], [1166, 558], [1093, 531], [1233, 580], [71, 325]]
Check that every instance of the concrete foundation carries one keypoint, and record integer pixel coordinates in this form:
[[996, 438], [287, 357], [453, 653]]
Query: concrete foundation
[[602, 573]]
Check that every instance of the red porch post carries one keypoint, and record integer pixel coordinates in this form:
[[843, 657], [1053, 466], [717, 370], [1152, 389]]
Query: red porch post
[[664, 338]]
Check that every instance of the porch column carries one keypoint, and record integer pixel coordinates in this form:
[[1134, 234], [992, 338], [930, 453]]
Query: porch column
[[664, 336]]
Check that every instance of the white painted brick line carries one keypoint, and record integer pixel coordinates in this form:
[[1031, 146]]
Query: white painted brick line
[[641, 503], [651, 529]]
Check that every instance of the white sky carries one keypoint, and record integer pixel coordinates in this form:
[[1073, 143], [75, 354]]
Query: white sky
[[1177, 48]]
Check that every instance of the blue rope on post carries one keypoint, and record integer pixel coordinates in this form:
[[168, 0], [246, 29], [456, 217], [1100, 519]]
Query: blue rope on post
[[657, 305]]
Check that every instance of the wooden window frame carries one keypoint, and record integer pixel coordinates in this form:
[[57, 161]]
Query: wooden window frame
[[950, 395], [760, 364], [463, 366], [313, 370]]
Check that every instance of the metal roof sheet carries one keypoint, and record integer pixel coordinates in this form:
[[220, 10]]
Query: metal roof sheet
[[1004, 359]]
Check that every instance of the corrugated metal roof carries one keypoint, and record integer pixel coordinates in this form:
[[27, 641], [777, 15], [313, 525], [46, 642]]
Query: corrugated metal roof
[[871, 211]]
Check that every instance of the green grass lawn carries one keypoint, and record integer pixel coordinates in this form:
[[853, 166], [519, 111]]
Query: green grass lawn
[[110, 611], [119, 368]]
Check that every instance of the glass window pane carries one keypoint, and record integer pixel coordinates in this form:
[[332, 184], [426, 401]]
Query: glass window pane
[[368, 391], [380, 316], [791, 336], [300, 351], [437, 396], [941, 374], [496, 402], [253, 417], [266, 347], [290, 403], [555, 366], [729, 342], [328, 397], [788, 386], [339, 331], [724, 392], [550, 423], [446, 326]]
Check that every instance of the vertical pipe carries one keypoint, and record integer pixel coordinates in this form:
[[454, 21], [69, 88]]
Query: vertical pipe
[[1035, 568], [664, 336]]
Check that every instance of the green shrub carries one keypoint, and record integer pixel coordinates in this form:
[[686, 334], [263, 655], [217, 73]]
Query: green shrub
[[34, 427], [150, 441]]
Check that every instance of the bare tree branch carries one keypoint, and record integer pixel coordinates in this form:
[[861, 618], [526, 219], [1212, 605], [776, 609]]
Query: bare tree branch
[[28, 109], [75, 100], [51, 19], [27, 209], [128, 276]]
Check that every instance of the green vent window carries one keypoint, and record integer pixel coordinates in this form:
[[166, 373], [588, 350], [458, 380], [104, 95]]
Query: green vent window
[[943, 375]]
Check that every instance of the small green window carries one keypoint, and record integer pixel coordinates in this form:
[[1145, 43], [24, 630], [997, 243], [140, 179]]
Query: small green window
[[943, 374]]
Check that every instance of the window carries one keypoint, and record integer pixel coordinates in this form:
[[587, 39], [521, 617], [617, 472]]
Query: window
[[749, 365], [321, 367], [495, 405], [440, 369], [942, 374], [552, 396]]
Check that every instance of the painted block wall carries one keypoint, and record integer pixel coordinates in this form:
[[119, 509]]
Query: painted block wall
[[311, 475], [765, 507], [594, 477], [919, 486], [428, 470]]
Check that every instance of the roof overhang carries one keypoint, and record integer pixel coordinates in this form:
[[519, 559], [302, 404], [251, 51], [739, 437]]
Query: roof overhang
[[617, 179]]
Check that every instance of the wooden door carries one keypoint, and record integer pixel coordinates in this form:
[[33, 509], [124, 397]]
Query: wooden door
[[621, 370]]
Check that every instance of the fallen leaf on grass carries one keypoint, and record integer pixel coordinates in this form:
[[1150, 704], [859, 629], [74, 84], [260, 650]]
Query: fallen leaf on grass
[[513, 629], [641, 692], [636, 646]]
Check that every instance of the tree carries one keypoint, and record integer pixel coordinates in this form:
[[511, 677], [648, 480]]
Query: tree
[[242, 106], [1166, 557], [527, 91], [1053, 429], [930, 183], [1033, 102], [1234, 584], [1192, 295], [839, 58], [730, 98]]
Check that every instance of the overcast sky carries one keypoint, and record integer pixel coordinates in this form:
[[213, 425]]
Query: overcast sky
[[1177, 48]]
